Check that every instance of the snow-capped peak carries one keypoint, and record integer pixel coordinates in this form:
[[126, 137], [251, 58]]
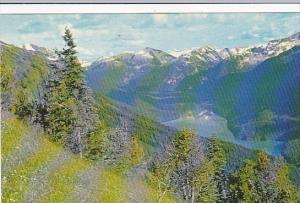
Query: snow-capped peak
[[250, 55], [29, 47], [177, 53], [85, 64], [295, 36], [189, 52], [255, 54], [207, 56], [144, 53]]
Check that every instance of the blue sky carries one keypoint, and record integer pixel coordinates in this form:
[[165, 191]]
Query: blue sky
[[108, 34]]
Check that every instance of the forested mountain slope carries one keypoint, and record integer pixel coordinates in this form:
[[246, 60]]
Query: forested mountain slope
[[84, 147], [248, 96]]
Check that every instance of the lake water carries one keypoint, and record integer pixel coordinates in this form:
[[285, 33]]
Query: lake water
[[208, 123]]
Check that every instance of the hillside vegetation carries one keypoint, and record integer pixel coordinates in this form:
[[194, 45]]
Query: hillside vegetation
[[35, 169], [254, 89], [63, 143]]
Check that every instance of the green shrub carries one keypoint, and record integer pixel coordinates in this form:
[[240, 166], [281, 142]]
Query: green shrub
[[63, 180], [97, 142], [292, 151], [7, 67], [28, 86], [12, 135], [7, 77]]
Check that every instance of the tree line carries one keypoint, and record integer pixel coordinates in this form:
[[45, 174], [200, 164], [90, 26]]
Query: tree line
[[197, 173]]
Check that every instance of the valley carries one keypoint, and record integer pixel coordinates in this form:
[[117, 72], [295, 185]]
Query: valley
[[151, 126], [248, 90]]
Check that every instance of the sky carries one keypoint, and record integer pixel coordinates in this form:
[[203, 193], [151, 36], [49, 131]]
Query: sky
[[100, 35]]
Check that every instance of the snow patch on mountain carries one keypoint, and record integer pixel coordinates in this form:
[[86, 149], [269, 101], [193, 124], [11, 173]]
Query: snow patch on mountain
[[177, 53], [249, 56], [28, 47], [255, 54], [85, 64], [181, 64]]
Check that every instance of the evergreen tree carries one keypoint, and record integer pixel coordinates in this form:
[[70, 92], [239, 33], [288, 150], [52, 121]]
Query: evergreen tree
[[206, 184], [286, 190], [65, 100], [262, 181], [233, 186], [97, 142], [186, 163], [182, 145], [163, 171], [61, 115], [177, 169], [256, 180], [263, 161], [216, 155], [70, 46], [73, 75], [265, 187], [248, 179], [136, 153]]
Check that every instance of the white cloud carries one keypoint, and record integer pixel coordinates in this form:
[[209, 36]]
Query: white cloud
[[160, 18], [39, 39], [221, 18], [231, 37], [90, 32], [255, 28], [86, 51], [136, 42], [119, 32]]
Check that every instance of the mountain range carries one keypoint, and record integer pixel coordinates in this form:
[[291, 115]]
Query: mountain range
[[27, 77], [151, 126], [248, 96]]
